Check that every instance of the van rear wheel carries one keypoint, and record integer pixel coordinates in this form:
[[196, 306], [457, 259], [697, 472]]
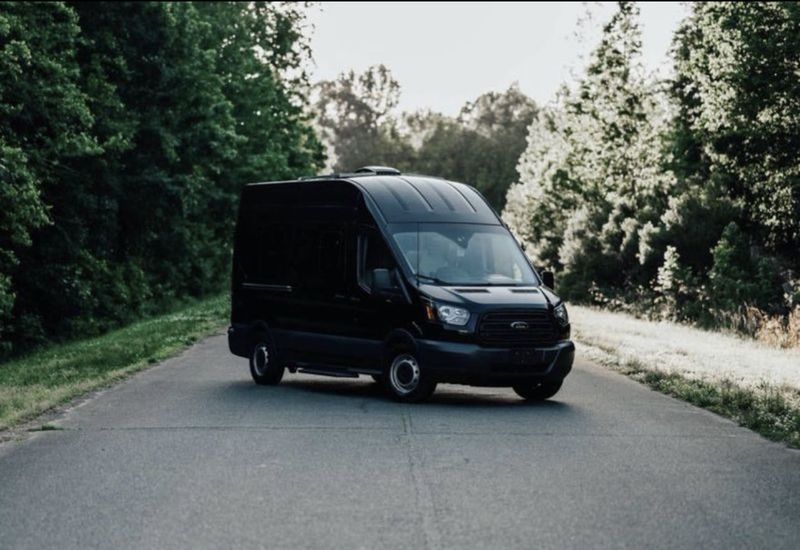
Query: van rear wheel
[[264, 366], [406, 381], [538, 392]]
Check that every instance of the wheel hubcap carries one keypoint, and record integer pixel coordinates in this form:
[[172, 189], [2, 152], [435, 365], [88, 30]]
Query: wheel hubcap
[[404, 374], [260, 359]]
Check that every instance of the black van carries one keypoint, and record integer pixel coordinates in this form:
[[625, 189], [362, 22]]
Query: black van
[[411, 279]]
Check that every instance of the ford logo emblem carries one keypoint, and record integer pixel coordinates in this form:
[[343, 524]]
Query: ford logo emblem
[[522, 325]]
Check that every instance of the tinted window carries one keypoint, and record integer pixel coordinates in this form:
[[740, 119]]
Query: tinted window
[[373, 254], [319, 257], [305, 255], [464, 254], [263, 249]]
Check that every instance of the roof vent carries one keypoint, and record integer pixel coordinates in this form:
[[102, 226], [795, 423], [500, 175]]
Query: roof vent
[[378, 170]]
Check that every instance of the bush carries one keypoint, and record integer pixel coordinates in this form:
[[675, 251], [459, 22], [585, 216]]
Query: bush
[[677, 289], [736, 278]]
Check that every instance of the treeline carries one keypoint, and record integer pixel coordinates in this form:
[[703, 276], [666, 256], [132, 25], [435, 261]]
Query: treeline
[[679, 198], [358, 120], [126, 132]]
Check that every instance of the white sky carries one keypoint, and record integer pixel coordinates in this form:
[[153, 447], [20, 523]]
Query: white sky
[[444, 54]]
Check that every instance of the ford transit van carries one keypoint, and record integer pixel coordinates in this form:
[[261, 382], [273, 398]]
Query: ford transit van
[[412, 280]]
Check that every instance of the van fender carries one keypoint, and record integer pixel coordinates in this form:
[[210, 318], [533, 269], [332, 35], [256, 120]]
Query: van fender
[[396, 340], [258, 329]]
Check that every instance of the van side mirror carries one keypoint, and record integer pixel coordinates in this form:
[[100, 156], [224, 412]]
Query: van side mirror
[[382, 282], [549, 280]]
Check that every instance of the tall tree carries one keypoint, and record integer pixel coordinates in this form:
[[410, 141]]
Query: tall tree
[[738, 92], [358, 118], [260, 55], [622, 190], [154, 116], [42, 128], [480, 146], [355, 114], [163, 153], [588, 180]]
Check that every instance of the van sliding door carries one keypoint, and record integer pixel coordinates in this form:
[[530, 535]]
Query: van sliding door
[[322, 314]]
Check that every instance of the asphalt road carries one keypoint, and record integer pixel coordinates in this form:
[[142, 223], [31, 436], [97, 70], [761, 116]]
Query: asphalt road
[[192, 454]]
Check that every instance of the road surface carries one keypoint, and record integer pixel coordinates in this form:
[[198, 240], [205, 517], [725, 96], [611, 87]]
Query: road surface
[[192, 454]]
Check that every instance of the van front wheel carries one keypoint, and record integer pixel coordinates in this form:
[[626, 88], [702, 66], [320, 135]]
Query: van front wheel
[[264, 366], [406, 381]]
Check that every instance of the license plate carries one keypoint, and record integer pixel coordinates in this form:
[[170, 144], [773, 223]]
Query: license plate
[[527, 356]]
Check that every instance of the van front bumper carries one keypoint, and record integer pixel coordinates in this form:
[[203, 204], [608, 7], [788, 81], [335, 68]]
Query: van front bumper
[[476, 365]]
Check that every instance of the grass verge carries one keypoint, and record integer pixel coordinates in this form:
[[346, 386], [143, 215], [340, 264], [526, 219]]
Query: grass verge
[[45, 379], [773, 412]]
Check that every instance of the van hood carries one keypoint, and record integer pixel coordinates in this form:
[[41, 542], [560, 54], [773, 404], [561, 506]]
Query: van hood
[[511, 296]]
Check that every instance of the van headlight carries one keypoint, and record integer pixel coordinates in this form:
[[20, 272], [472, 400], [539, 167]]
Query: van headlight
[[561, 315], [452, 315]]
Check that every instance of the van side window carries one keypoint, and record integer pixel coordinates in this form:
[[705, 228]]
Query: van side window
[[273, 242], [318, 257], [372, 254], [331, 257], [264, 245]]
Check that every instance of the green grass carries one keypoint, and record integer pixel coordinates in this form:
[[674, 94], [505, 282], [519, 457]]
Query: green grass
[[773, 413], [42, 380], [768, 410]]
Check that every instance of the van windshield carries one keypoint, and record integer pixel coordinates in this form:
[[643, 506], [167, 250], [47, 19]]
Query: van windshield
[[464, 254]]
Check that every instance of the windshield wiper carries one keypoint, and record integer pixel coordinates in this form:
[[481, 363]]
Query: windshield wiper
[[433, 280]]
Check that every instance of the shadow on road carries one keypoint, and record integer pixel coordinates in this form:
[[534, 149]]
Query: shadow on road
[[446, 395]]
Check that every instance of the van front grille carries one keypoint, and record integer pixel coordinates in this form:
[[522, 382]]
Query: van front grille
[[517, 328]]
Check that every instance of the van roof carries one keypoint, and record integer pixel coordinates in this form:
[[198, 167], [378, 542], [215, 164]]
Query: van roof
[[403, 198], [412, 198]]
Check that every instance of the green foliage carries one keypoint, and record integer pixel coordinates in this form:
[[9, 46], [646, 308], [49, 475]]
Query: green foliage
[[677, 290], [121, 174], [34, 383], [41, 127], [735, 277], [356, 115], [766, 410], [588, 184], [736, 133], [267, 91], [481, 146], [690, 189], [737, 82]]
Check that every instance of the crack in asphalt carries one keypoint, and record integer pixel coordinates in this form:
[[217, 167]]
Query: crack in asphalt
[[426, 508]]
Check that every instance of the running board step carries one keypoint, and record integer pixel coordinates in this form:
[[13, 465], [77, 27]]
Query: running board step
[[334, 373]]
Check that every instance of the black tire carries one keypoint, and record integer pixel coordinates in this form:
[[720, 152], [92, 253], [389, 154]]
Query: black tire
[[405, 380], [265, 368], [538, 392]]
